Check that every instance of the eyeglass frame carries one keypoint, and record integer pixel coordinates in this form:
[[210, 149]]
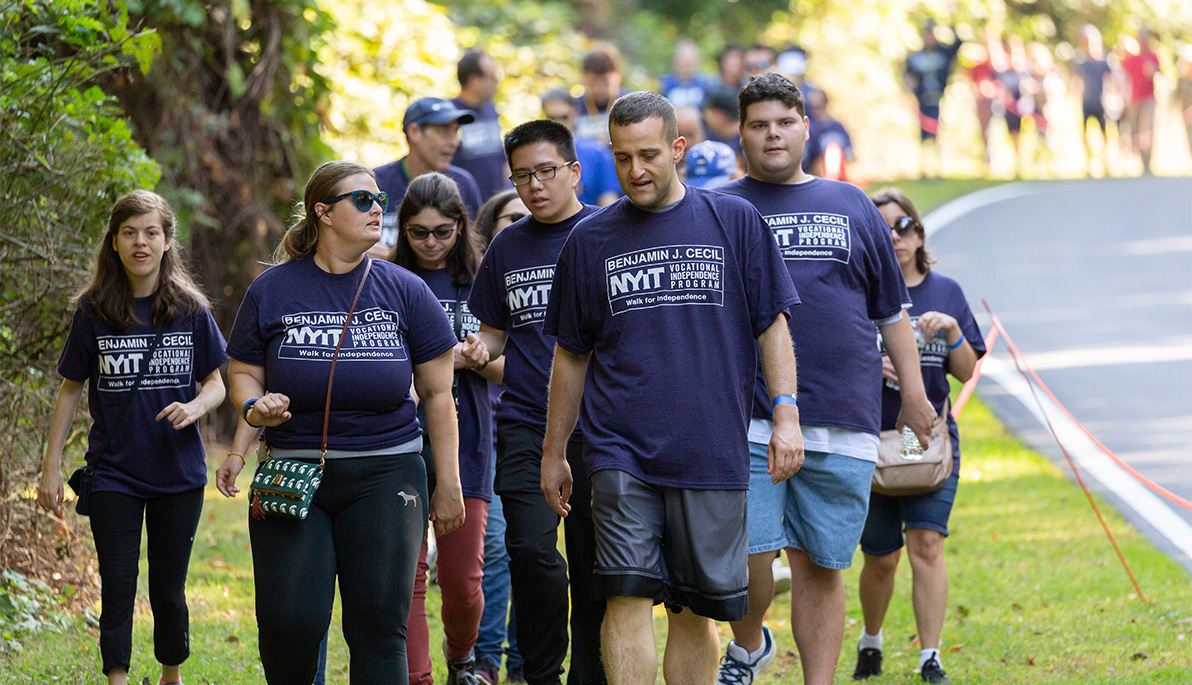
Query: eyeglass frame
[[904, 224], [381, 198], [413, 234], [554, 171]]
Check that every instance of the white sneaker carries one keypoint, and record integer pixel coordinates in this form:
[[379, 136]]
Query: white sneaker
[[734, 670], [782, 577]]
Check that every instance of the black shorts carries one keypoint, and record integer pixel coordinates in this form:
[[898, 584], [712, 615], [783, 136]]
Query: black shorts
[[686, 548], [1093, 111]]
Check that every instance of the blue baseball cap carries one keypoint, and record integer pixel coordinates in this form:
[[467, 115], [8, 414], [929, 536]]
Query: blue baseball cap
[[710, 164], [435, 111]]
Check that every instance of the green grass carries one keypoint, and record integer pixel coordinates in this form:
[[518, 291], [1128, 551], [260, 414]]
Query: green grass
[[1036, 594], [929, 194]]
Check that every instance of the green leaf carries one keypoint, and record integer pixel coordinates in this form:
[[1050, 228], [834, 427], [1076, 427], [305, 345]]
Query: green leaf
[[235, 76]]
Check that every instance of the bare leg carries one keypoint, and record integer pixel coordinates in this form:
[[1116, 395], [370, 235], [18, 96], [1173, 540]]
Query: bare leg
[[876, 588], [171, 674], [929, 590], [627, 641], [747, 632], [817, 616], [692, 649]]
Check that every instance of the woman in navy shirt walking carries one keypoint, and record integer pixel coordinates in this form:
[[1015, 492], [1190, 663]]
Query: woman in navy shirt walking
[[435, 243], [368, 517], [142, 338], [949, 342]]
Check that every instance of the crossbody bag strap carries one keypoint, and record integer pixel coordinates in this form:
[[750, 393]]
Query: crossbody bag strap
[[115, 428], [331, 377]]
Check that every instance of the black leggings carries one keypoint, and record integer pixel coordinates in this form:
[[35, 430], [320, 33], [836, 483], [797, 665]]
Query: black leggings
[[170, 524], [361, 529]]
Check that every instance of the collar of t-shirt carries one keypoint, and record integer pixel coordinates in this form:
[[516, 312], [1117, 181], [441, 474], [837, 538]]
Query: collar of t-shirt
[[666, 207], [565, 225]]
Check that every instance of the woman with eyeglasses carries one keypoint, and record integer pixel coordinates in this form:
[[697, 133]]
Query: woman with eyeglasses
[[949, 343], [434, 242], [369, 515]]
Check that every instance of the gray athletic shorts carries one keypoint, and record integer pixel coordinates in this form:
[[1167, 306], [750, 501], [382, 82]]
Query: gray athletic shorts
[[687, 548]]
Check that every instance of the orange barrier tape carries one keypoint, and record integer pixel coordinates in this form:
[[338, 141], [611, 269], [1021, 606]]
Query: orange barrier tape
[[1020, 363], [971, 384]]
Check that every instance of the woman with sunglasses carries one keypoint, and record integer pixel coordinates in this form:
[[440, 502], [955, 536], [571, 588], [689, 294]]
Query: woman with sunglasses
[[949, 342], [369, 514], [434, 242], [498, 621]]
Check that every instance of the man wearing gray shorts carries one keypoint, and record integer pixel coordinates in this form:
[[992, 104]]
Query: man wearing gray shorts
[[660, 303], [838, 250]]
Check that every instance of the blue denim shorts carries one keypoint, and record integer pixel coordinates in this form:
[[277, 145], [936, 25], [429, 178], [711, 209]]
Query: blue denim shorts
[[819, 510], [888, 516]]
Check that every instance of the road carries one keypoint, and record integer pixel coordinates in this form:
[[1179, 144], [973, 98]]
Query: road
[[1093, 280]]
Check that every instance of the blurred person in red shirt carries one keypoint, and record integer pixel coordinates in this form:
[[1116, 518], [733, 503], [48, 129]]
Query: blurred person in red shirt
[[1140, 69]]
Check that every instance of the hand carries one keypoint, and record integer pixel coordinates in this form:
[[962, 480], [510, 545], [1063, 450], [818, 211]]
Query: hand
[[930, 322], [272, 409], [888, 371], [458, 357], [556, 483], [785, 452], [50, 492], [446, 510], [181, 414], [474, 352], [225, 476], [917, 413]]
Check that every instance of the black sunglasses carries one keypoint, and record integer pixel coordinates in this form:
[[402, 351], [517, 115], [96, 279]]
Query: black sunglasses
[[440, 232], [905, 224], [363, 199], [513, 216]]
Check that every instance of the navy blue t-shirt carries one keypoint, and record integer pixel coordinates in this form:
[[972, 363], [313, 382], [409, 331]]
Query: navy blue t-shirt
[[474, 408], [392, 179], [929, 69], [481, 152], [510, 294], [290, 322], [838, 251], [681, 93], [825, 132], [592, 119], [597, 172], [669, 305], [145, 457], [935, 294]]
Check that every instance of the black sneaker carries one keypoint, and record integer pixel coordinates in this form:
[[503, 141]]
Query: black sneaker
[[462, 671], [932, 672], [869, 663]]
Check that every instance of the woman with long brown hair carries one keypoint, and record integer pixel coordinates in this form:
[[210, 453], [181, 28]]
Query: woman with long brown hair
[[143, 340], [327, 303]]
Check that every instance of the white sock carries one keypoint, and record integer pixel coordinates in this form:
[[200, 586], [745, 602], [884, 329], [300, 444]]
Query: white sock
[[926, 654], [870, 641], [738, 652]]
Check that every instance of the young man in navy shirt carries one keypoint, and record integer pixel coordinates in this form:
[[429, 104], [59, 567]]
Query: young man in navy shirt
[[432, 127], [837, 249], [660, 302], [480, 152], [509, 298]]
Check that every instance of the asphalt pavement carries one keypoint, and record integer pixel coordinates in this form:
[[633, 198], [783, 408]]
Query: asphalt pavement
[[1093, 281]]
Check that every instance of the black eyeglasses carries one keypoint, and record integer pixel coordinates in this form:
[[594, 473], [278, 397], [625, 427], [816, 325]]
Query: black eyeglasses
[[440, 232], [904, 225], [363, 199], [546, 173], [513, 216]]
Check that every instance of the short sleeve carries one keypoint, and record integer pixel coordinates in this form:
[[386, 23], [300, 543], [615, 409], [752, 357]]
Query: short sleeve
[[566, 310], [886, 293], [768, 282], [77, 358], [429, 330], [246, 343], [486, 301], [209, 345]]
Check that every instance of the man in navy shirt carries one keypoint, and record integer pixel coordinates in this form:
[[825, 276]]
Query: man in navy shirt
[[838, 252], [660, 302], [480, 152], [509, 298], [601, 74], [432, 127], [598, 179], [926, 76], [686, 86]]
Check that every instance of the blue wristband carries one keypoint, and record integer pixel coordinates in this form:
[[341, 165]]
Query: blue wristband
[[785, 399], [247, 408], [956, 344]]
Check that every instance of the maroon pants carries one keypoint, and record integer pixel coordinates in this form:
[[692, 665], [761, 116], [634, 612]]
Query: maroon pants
[[461, 564]]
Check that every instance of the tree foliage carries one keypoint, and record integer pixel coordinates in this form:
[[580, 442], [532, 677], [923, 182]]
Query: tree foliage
[[66, 153]]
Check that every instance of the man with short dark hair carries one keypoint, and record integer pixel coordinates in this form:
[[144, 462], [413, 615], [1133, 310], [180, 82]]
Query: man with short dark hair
[[838, 252], [660, 302], [480, 151], [431, 126], [601, 74], [509, 297], [598, 179]]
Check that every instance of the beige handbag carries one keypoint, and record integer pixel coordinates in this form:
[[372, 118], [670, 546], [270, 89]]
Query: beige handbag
[[919, 474]]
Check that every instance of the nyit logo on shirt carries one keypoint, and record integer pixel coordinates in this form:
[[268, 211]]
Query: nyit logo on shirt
[[812, 236]]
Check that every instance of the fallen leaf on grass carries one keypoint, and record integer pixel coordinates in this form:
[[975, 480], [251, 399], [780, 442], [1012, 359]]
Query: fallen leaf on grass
[[219, 563], [955, 648], [1140, 656], [964, 611], [232, 638], [1030, 661], [1016, 606]]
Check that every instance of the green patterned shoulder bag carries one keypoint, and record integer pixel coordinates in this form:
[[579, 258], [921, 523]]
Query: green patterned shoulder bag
[[285, 487]]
